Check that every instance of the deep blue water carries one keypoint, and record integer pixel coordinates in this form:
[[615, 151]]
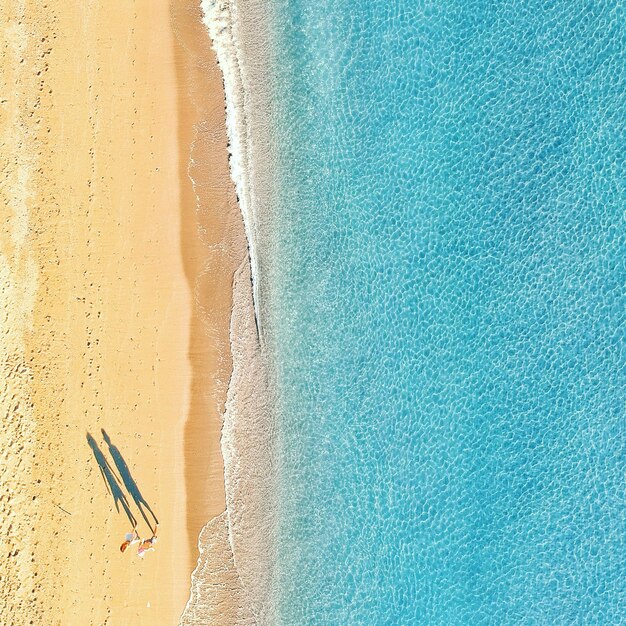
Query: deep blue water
[[446, 311]]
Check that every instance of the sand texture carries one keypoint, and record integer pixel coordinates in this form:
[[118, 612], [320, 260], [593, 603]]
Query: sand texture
[[121, 238]]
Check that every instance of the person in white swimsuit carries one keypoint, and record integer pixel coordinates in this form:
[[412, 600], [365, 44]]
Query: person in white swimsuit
[[130, 539]]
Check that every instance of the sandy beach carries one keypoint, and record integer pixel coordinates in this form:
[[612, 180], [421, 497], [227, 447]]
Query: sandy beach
[[122, 235]]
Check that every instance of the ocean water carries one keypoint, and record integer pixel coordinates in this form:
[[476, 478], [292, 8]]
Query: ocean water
[[442, 289]]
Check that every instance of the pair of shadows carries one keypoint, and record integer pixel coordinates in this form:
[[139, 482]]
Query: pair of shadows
[[112, 482]]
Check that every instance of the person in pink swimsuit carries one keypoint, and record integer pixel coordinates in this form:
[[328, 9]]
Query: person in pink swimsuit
[[147, 544]]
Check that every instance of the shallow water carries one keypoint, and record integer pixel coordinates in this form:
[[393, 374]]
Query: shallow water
[[443, 304]]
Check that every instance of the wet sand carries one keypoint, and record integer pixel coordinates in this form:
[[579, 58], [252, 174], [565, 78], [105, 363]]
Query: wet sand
[[118, 256]]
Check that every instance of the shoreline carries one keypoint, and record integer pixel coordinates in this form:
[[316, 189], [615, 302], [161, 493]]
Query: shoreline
[[217, 592], [249, 431], [213, 246]]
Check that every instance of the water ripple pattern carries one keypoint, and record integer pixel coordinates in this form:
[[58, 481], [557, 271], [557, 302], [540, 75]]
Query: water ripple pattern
[[446, 311]]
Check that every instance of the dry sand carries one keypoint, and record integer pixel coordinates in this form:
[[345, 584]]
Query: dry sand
[[117, 260]]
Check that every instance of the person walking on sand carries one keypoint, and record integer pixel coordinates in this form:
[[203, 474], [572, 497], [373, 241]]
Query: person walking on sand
[[130, 539], [147, 544]]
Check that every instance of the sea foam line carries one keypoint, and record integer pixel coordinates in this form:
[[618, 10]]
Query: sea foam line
[[248, 432], [220, 18]]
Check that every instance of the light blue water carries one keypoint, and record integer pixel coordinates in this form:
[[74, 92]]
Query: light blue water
[[446, 311]]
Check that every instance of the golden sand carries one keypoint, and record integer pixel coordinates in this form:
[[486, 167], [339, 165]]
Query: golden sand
[[117, 265]]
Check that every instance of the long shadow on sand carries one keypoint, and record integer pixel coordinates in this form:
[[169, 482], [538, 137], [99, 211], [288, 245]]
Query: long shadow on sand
[[129, 482], [110, 480]]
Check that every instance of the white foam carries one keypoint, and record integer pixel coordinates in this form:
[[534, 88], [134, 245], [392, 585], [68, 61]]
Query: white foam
[[248, 433], [216, 593], [228, 23]]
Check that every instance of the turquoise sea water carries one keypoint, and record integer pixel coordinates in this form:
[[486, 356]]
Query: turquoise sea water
[[445, 308]]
